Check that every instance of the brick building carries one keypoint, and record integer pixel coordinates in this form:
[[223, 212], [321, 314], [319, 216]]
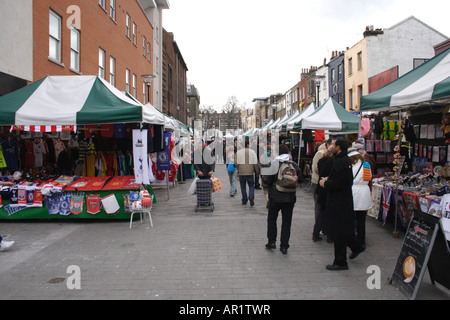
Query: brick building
[[174, 82], [109, 38]]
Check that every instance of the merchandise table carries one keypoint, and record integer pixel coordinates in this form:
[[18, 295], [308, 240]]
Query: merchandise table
[[84, 198]]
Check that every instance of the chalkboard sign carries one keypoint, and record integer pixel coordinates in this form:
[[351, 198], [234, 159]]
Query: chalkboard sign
[[414, 255]]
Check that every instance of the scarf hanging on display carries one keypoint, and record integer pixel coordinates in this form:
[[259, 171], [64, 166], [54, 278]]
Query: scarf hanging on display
[[374, 211]]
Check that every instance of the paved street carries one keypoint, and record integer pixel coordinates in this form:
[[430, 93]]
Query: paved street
[[187, 255]]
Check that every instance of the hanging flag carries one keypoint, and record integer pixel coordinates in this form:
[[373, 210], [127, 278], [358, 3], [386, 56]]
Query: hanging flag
[[387, 193], [93, 204], [76, 204], [163, 161], [140, 157]]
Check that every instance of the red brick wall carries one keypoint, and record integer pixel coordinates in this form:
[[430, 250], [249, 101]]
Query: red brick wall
[[380, 80], [97, 30]]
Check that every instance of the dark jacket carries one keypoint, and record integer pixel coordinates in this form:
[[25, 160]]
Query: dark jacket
[[278, 196], [205, 167], [324, 166], [339, 208]]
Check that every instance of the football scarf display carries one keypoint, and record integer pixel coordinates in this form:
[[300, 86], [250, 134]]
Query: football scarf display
[[93, 204], [140, 157]]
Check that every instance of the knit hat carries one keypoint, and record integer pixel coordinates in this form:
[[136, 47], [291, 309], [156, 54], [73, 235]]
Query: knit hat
[[352, 152]]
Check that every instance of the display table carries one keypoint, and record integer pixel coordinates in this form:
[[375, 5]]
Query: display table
[[81, 197]]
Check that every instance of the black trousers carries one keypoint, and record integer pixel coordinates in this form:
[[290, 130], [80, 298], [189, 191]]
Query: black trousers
[[360, 221], [340, 248], [286, 221]]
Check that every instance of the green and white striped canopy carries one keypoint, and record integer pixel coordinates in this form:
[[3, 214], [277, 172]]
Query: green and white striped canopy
[[331, 116], [429, 82], [70, 100], [295, 123]]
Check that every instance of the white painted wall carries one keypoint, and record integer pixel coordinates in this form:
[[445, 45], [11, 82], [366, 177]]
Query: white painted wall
[[16, 36], [400, 44]]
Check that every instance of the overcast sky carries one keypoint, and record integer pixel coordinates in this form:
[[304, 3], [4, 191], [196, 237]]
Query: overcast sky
[[255, 48]]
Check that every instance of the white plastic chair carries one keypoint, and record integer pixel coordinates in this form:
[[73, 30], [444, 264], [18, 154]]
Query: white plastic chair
[[142, 213]]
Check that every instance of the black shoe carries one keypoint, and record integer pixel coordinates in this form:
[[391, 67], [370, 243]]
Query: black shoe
[[232, 195], [335, 267], [244, 203], [271, 245], [252, 202], [354, 254], [283, 250], [316, 238]]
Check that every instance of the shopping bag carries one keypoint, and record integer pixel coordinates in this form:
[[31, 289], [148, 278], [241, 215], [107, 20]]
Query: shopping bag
[[193, 188], [217, 185]]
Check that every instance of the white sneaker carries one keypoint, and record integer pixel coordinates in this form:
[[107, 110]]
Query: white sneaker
[[6, 245]]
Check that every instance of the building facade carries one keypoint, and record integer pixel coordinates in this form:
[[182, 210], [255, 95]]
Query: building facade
[[336, 79], [111, 39], [174, 80], [154, 11], [192, 103], [384, 55], [16, 62]]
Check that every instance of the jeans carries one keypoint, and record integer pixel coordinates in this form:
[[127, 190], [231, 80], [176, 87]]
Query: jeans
[[286, 221], [250, 180], [232, 175]]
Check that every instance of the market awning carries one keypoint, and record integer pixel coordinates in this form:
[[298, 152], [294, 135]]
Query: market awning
[[68, 100], [331, 116], [428, 83], [281, 124], [296, 122]]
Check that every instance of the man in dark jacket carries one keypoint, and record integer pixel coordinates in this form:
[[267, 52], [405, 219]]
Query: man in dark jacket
[[279, 200], [339, 208], [205, 169]]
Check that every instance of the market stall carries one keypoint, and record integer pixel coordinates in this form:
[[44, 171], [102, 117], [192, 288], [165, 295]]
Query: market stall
[[415, 192], [71, 138], [411, 132]]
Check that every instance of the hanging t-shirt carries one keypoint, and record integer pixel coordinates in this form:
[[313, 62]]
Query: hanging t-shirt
[[39, 152], [11, 154]]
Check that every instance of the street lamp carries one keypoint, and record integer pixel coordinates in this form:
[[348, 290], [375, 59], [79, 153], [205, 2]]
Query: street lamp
[[148, 79]]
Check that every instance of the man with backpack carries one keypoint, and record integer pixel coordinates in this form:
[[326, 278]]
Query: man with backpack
[[282, 196]]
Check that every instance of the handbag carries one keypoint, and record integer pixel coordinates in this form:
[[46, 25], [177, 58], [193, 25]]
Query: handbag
[[217, 185], [231, 167]]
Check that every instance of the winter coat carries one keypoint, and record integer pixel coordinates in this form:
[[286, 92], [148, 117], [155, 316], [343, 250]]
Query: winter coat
[[276, 196], [362, 199], [340, 218], [315, 170], [247, 162], [324, 165]]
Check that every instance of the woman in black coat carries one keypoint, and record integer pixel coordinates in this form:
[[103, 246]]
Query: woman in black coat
[[339, 208]]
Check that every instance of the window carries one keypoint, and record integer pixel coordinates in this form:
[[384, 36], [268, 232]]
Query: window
[[128, 25], [112, 71], [333, 75], [148, 51], [144, 93], [350, 94], [360, 61], [75, 49], [55, 36], [101, 3], [134, 33], [145, 46], [134, 85], [112, 9], [350, 66], [360, 89], [127, 80], [101, 63], [340, 71]]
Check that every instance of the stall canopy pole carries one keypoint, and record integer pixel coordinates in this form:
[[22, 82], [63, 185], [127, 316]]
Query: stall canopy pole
[[300, 147]]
